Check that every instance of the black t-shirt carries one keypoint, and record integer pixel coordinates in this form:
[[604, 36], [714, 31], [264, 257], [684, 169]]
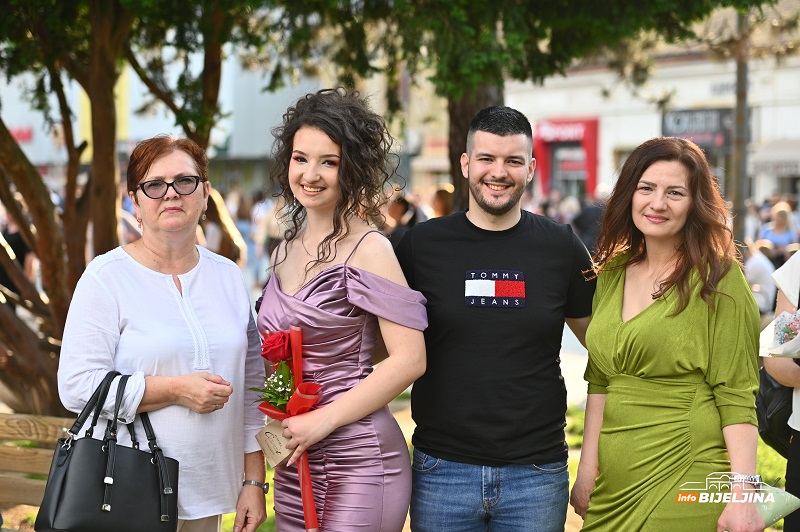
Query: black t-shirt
[[493, 393]]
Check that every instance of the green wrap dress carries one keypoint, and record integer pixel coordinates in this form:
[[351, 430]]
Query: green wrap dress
[[672, 383]]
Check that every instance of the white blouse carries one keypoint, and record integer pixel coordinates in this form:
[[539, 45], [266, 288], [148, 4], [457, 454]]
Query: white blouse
[[787, 278], [127, 317]]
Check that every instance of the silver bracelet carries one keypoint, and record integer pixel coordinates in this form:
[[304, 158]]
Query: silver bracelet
[[747, 479], [264, 486]]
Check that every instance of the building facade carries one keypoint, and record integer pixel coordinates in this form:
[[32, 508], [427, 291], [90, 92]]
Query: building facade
[[585, 124]]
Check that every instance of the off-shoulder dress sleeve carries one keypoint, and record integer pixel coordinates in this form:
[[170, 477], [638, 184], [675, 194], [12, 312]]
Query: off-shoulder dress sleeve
[[386, 299]]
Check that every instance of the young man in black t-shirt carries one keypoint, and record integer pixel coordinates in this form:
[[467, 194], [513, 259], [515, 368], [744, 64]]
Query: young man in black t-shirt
[[500, 282]]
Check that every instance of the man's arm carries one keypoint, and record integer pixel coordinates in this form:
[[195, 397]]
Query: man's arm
[[578, 327]]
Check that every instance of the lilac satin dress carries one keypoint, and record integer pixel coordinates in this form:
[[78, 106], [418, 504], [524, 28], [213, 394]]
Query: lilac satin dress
[[361, 472]]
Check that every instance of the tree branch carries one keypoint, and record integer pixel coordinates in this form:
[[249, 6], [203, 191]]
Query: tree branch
[[163, 94]]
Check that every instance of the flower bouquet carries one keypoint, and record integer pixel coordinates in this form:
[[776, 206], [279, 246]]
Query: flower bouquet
[[284, 395], [780, 338]]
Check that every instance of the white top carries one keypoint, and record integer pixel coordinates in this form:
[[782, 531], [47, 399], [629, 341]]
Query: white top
[[127, 317], [787, 277], [758, 270]]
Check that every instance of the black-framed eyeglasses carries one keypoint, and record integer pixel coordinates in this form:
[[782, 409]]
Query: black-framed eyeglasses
[[157, 188]]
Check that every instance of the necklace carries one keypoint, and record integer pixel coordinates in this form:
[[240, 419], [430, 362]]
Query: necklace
[[302, 243]]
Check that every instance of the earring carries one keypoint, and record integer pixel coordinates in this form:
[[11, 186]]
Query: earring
[[204, 216], [139, 222]]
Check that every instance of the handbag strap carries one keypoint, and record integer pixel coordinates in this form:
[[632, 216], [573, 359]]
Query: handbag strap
[[110, 445], [158, 456], [95, 402], [161, 463]]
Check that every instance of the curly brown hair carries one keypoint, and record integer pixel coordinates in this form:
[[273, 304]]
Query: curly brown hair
[[707, 245], [366, 167]]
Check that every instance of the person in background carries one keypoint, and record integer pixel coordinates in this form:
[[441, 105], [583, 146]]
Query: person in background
[[758, 270], [489, 447], [752, 220], [587, 222], [176, 317], [336, 277], [221, 234], [787, 372], [442, 202], [672, 345], [779, 231], [404, 216], [24, 257]]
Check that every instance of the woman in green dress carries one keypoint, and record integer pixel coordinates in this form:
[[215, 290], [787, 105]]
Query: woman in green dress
[[672, 367]]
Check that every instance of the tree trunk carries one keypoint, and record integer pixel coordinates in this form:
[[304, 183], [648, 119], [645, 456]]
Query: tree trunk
[[28, 368], [48, 244], [215, 26], [461, 110], [28, 362], [736, 186], [111, 25]]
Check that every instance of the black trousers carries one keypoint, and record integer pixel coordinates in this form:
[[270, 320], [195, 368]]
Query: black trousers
[[791, 523]]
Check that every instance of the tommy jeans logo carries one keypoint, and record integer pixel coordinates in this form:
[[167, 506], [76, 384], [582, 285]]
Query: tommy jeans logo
[[494, 288]]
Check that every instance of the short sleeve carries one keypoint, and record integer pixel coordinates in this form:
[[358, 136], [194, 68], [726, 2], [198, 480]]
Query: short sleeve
[[582, 284], [386, 299], [732, 367], [597, 380]]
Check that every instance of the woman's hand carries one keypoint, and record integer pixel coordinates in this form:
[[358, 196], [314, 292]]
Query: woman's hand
[[740, 517], [581, 490], [251, 509], [305, 430], [203, 393]]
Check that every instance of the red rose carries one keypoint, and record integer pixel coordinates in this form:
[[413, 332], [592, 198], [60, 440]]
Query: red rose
[[276, 347]]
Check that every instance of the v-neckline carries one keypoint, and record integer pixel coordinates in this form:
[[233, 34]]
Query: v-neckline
[[307, 283], [622, 301]]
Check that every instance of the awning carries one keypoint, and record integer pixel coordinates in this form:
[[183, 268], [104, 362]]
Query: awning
[[777, 157]]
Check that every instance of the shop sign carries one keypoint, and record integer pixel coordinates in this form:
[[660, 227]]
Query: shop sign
[[708, 128]]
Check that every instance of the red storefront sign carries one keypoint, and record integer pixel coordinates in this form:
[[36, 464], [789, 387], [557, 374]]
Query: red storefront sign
[[556, 131], [22, 135]]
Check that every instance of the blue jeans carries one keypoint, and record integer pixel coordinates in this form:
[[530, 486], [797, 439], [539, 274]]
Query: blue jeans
[[455, 497]]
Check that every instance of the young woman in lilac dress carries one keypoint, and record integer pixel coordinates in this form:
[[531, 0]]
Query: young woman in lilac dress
[[337, 278]]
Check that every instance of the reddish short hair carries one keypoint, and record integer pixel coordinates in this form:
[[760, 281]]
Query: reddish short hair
[[150, 150]]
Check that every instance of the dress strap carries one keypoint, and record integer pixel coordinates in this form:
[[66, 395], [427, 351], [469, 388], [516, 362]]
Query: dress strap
[[359, 243]]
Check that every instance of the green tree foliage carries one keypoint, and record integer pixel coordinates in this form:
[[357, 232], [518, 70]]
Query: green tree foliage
[[467, 47], [470, 47], [87, 41]]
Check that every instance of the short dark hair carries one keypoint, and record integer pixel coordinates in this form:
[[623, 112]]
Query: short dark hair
[[499, 120]]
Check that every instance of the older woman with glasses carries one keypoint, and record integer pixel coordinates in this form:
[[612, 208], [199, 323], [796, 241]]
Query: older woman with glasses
[[177, 318]]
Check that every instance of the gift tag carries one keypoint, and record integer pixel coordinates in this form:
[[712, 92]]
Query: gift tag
[[272, 442]]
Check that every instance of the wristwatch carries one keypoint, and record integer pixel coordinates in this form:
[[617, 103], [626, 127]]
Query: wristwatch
[[748, 479], [264, 486]]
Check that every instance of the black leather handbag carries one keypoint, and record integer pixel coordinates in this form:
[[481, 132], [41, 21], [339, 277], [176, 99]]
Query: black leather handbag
[[773, 408], [98, 486]]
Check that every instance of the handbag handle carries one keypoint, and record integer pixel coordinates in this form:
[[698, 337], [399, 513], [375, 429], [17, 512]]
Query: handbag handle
[[95, 402], [158, 456], [110, 446]]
